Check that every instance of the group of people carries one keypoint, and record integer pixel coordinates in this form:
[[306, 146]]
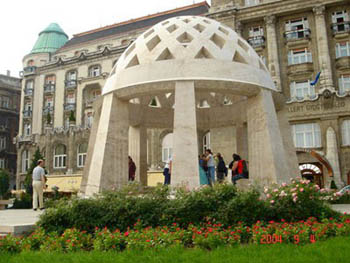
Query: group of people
[[210, 165]]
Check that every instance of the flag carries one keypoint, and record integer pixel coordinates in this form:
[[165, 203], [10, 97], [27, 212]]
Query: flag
[[313, 83]]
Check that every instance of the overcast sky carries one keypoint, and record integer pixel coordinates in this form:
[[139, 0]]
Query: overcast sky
[[21, 21]]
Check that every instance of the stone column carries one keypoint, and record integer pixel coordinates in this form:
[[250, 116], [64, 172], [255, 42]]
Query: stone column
[[185, 150], [138, 152], [324, 58], [242, 140], [272, 50], [332, 156], [109, 161], [288, 143], [267, 161]]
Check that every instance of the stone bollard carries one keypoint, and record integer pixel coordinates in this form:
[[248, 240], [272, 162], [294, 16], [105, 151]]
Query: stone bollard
[[243, 184]]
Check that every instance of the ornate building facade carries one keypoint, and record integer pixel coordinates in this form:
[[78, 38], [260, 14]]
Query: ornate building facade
[[296, 39], [10, 94]]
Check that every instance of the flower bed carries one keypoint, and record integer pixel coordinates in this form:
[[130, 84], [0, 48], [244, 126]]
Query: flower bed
[[206, 236]]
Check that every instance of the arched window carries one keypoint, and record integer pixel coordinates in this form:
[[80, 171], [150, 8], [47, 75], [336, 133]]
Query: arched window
[[60, 156], [25, 161], [167, 147], [206, 141], [95, 71], [345, 132], [82, 150]]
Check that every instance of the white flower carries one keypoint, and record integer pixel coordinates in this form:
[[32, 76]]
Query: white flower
[[283, 193]]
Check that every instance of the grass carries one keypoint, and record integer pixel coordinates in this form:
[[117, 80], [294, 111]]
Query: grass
[[332, 250]]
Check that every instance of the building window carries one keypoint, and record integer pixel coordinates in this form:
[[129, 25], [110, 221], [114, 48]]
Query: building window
[[256, 37], [344, 84], [251, 2], [27, 129], [307, 135], [297, 29], [345, 132], [82, 150], [51, 79], [299, 56], [340, 22], [25, 161], [5, 102], [167, 147], [72, 75], [94, 71], [2, 143], [60, 155], [301, 90], [342, 50], [2, 163], [70, 98], [206, 142], [89, 118]]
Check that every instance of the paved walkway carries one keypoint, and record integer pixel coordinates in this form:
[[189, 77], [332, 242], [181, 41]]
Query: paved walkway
[[342, 208], [18, 220]]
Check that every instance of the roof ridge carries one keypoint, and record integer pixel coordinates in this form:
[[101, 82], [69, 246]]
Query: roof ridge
[[141, 18]]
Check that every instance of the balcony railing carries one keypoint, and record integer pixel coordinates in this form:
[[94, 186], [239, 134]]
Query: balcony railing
[[338, 28], [70, 84], [49, 88], [297, 34], [48, 109], [29, 70], [28, 92], [257, 41], [27, 114], [69, 106]]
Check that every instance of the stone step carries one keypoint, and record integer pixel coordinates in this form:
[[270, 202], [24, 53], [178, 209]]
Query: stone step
[[243, 184]]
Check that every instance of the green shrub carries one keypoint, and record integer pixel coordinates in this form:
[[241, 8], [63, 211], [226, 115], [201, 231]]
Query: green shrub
[[333, 185], [4, 183], [24, 202]]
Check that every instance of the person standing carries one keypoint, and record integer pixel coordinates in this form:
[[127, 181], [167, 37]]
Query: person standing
[[167, 172], [211, 166], [221, 168], [132, 169], [38, 185], [239, 169], [203, 179]]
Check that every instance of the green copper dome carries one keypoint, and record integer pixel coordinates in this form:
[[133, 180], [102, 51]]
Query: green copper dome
[[50, 39]]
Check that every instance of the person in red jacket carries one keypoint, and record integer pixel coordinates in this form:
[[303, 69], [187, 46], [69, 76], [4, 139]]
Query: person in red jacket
[[238, 169]]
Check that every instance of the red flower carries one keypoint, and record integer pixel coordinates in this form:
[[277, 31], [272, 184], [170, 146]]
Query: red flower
[[148, 240], [126, 234]]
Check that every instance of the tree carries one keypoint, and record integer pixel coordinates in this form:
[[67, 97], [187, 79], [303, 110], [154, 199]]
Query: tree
[[333, 185], [4, 183], [28, 181], [48, 118], [71, 116]]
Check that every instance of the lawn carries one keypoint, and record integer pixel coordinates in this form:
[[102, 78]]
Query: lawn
[[332, 250]]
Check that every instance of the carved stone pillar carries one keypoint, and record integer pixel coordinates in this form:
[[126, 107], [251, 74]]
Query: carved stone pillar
[[185, 170], [109, 160], [326, 80], [138, 152], [272, 50]]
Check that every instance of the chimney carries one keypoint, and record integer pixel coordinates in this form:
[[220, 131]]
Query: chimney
[[8, 73]]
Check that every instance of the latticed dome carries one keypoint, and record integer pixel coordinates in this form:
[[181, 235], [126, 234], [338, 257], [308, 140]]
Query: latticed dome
[[189, 48]]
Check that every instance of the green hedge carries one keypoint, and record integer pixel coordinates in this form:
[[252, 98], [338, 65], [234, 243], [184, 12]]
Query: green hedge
[[222, 203]]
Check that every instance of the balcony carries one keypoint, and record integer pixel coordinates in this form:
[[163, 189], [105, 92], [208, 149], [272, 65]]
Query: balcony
[[89, 102], [30, 70], [28, 92], [69, 107], [257, 41], [48, 109], [49, 88], [70, 84], [298, 34], [27, 114], [340, 28]]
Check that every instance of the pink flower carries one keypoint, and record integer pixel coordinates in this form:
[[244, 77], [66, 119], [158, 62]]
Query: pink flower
[[293, 189], [284, 184], [295, 199], [272, 201], [275, 190], [268, 195], [301, 189], [283, 193]]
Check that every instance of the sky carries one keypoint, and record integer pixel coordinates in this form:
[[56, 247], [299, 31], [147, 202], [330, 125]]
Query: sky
[[21, 21]]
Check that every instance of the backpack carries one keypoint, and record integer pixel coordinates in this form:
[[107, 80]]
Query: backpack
[[245, 169]]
